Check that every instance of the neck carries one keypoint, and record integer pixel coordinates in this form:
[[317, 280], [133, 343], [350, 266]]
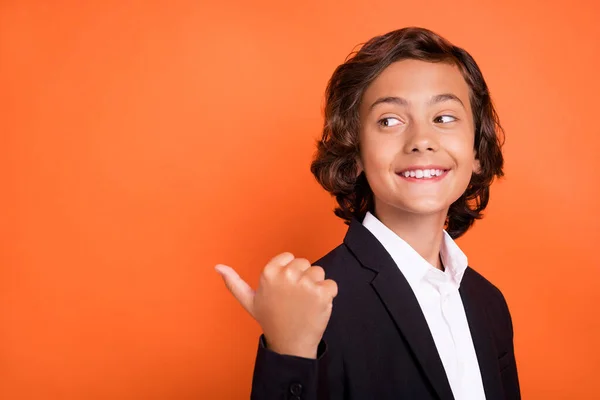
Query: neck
[[424, 233]]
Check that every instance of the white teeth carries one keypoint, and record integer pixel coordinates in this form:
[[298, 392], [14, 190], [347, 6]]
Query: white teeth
[[423, 173]]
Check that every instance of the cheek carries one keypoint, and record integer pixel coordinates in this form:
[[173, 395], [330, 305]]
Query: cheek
[[377, 153], [461, 149]]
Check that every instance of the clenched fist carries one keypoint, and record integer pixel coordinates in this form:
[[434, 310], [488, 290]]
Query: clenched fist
[[292, 304]]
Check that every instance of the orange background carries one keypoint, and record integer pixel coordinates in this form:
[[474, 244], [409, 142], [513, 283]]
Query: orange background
[[141, 144]]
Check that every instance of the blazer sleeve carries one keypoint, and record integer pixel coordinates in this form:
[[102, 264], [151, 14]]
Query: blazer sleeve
[[278, 376]]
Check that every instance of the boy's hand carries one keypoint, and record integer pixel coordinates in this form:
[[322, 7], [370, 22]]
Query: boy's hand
[[292, 304]]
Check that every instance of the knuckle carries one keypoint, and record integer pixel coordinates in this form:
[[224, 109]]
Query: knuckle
[[284, 259], [268, 272], [289, 273], [314, 274], [309, 285], [334, 289], [331, 288], [301, 262], [280, 260], [286, 254]]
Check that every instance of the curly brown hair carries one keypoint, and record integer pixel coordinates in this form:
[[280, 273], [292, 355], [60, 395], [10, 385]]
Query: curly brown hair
[[335, 164]]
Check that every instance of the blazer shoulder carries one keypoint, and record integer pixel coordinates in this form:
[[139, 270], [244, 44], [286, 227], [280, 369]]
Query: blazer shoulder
[[484, 287], [336, 259], [340, 251], [487, 293]]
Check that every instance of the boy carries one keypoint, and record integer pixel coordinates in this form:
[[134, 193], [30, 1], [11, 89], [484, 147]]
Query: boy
[[410, 147]]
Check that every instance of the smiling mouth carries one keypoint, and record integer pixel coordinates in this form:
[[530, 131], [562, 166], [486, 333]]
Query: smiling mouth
[[423, 174]]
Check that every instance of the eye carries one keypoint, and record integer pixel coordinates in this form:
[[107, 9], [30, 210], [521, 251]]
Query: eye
[[389, 122], [444, 119]]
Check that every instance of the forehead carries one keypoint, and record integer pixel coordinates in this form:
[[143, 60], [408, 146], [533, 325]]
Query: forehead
[[417, 81]]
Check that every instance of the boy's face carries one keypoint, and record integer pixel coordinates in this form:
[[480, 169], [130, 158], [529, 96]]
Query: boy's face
[[417, 137]]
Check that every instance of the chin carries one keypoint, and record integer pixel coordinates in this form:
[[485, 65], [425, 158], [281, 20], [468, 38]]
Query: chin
[[417, 205], [428, 211], [424, 207]]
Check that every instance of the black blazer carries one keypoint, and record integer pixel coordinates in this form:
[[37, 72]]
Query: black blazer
[[377, 344]]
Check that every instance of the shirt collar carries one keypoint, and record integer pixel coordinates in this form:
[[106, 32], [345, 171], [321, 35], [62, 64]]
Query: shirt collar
[[454, 259], [411, 264]]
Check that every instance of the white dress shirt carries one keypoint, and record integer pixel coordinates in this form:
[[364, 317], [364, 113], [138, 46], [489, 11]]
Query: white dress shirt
[[437, 294]]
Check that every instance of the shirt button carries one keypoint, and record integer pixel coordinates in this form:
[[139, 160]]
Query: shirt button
[[296, 389]]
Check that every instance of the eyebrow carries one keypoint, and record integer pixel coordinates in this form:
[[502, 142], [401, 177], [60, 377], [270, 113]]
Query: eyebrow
[[445, 97], [405, 103], [390, 100]]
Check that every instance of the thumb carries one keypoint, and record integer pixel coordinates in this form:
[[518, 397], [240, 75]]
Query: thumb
[[238, 287]]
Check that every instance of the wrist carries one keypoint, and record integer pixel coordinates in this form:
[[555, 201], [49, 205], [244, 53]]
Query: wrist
[[304, 351]]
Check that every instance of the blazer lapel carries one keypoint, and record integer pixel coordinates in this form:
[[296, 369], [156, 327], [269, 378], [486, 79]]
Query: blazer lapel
[[401, 303], [483, 341]]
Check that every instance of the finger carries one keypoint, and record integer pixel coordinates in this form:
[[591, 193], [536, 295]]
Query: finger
[[295, 269], [281, 260], [329, 286], [278, 262], [299, 264], [243, 293], [315, 274]]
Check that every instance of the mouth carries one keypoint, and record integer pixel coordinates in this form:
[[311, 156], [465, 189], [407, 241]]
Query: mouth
[[423, 174]]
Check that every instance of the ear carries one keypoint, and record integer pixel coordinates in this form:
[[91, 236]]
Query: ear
[[476, 165], [359, 166]]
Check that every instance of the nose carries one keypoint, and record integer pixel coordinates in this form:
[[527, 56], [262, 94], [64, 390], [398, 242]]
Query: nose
[[421, 139]]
